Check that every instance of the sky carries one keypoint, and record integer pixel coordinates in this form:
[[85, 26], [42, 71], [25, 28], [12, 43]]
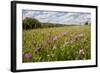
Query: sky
[[58, 17]]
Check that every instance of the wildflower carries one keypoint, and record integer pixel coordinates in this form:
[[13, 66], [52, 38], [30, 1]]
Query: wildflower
[[81, 51], [54, 47], [71, 40], [28, 55], [64, 33], [79, 36], [55, 38], [48, 55], [52, 55]]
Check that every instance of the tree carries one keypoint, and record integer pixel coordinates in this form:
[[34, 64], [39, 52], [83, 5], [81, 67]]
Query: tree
[[86, 23], [30, 23]]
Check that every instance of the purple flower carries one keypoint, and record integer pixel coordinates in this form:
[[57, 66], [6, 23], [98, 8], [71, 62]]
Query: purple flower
[[79, 36], [55, 38], [64, 33], [28, 55]]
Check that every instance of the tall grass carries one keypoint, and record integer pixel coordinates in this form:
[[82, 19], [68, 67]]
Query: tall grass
[[57, 44]]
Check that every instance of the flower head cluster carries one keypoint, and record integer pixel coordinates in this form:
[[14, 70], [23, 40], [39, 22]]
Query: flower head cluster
[[64, 33], [55, 38], [76, 38], [28, 55]]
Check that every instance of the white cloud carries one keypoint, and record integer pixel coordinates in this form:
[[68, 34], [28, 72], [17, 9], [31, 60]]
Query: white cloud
[[58, 17]]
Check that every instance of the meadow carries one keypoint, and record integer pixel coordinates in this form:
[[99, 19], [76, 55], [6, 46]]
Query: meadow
[[57, 44]]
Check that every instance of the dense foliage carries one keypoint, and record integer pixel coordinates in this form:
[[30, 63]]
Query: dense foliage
[[30, 23]]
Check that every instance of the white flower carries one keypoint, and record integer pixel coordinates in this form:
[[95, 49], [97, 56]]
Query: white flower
[[81, 51], [54, 47]]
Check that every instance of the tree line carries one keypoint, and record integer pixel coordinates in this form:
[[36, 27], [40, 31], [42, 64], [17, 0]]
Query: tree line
[[32, 23]]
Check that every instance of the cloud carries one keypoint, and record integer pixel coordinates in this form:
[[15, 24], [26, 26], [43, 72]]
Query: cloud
[[58, 17]]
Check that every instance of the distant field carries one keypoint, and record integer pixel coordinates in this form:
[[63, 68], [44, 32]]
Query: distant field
[[57, 44]]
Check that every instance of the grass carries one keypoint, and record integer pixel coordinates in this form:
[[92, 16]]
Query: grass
[[57, 44]]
